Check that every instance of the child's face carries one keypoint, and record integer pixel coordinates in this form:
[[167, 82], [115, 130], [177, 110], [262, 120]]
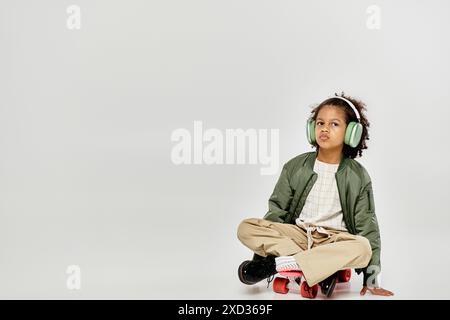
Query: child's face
[[330, 122]]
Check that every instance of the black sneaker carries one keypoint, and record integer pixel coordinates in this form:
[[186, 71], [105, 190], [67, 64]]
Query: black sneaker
[[253, 271], [257, 257], [327, 285]]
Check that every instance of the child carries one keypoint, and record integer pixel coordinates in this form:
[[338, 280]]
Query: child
[[321, 216]]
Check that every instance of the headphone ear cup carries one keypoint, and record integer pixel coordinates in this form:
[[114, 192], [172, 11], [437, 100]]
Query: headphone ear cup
[[353, 134], [311, 131]]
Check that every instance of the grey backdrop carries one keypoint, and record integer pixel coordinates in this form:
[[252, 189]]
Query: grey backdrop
[[86, 118]]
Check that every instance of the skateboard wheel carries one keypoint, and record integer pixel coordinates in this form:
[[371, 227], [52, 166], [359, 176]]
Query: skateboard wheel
[[309, 292], [344, 275], [280, 285]]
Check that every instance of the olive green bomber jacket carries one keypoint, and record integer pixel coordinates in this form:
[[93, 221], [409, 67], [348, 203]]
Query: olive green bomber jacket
[[355, 192]]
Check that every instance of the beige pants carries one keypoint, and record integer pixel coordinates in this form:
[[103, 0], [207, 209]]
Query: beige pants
[[329, 253]]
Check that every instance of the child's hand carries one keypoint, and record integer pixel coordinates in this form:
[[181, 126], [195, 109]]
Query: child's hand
[[376, 291]]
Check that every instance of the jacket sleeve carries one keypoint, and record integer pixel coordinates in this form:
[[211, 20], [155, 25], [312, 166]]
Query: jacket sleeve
[[280, 199], [367, 226]]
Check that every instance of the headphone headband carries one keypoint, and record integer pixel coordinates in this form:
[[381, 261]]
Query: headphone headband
[[351, 105]]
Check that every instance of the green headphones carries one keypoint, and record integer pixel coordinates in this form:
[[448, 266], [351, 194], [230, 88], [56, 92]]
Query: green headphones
[[353, 132]]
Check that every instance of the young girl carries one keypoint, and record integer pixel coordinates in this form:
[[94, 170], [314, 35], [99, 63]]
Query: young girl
[[321, 216]]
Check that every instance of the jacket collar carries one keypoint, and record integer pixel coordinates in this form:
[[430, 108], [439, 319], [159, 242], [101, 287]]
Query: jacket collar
[[312, 158]]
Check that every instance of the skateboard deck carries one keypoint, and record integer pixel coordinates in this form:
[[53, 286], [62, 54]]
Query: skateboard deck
[[291, 279]]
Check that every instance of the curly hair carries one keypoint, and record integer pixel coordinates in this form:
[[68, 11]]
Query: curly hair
[[349, 116]]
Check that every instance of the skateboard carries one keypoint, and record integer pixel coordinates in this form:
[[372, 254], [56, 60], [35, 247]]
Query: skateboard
[[292, 279]]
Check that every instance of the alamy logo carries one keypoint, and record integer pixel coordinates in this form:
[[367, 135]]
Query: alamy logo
[[212, 146], [373, 21], [74, 279], [74, 20]]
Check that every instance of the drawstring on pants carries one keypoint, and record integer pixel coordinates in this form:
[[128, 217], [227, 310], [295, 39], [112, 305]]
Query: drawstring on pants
[[309, 230]]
